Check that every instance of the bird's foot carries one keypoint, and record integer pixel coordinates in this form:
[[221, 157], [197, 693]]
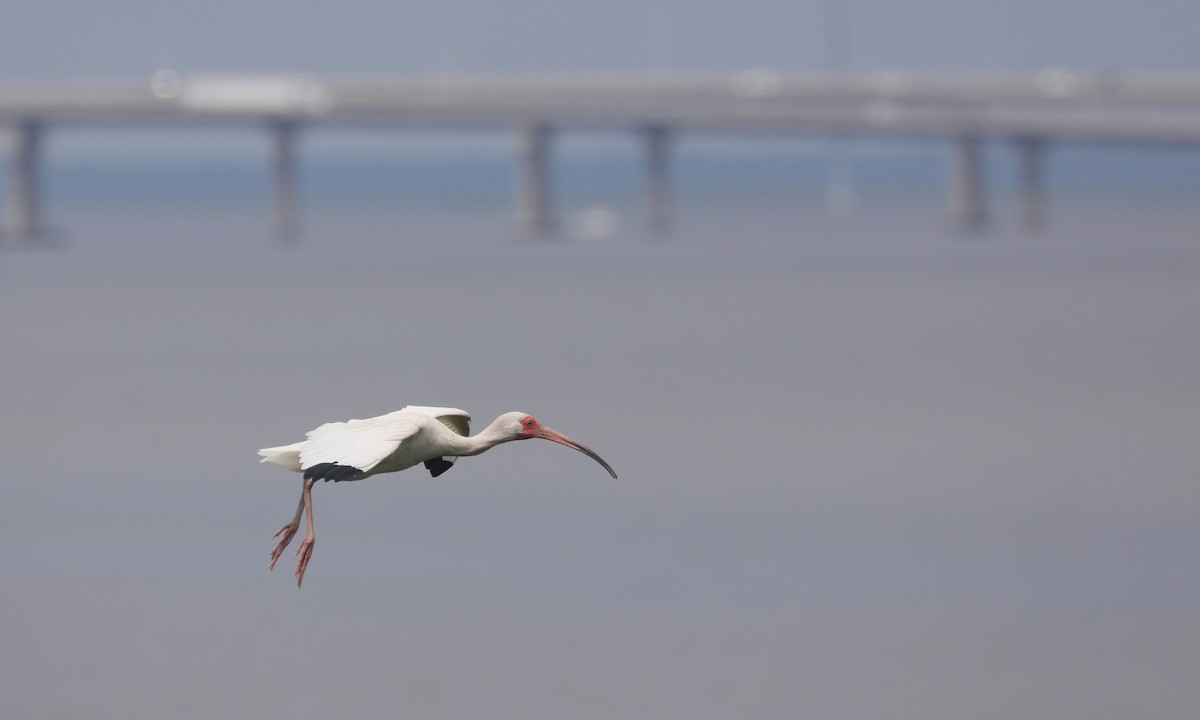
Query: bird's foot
[[285, 535], [304, 552]]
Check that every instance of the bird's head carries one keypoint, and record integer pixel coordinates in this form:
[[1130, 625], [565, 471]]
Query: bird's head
[[522, 426]]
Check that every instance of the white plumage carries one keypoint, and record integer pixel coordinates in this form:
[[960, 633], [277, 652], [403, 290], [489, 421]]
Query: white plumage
[[357, 449], [366, 444]]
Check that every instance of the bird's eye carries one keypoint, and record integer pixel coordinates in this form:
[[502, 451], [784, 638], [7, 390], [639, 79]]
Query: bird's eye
[[528, 422]]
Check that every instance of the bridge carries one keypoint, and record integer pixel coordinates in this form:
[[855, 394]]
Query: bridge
[[1029, 112]]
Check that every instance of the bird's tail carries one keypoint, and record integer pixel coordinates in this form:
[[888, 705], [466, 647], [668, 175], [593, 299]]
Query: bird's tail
[[285, 455]]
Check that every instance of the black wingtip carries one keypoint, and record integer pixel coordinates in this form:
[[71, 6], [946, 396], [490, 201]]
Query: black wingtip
[[331, 471]]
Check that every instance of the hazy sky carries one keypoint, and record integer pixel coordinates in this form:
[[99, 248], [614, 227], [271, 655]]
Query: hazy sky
[[135, 37]]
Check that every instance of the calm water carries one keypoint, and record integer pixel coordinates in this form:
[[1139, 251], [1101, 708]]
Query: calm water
[[867, 469]]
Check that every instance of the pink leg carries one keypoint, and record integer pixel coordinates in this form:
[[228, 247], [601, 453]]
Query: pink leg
[[286, 533], [304, 552]]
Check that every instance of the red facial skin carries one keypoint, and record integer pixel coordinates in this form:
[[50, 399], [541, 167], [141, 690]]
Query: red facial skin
[[530, 428]]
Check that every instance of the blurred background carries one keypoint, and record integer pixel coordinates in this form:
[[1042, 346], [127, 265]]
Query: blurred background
[[869, 465]]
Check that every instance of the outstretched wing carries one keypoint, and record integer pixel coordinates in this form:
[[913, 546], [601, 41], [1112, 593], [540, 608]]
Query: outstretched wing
[[348, 450], [457, 420]]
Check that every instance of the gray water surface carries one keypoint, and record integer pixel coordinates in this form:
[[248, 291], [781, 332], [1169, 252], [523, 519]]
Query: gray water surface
[[866, 471]]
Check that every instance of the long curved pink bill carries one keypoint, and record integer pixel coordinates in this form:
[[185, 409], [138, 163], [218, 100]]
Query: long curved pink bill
[[555, 436]]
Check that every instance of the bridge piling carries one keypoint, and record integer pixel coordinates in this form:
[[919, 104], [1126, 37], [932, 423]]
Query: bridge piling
[[1030, 154], [965, 194], [283, 138], [658, 193], [533, 203], [24, 205]]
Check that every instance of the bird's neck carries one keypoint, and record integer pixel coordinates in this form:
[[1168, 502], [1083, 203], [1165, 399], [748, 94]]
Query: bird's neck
[[488, 438]]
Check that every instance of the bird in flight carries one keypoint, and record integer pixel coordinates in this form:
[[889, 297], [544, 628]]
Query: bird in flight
[[357, 449]]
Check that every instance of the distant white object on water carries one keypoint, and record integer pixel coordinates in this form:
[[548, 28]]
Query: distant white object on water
[[598, 222]]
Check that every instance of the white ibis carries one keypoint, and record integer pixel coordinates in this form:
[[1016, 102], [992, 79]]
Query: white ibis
[[357, 449]]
